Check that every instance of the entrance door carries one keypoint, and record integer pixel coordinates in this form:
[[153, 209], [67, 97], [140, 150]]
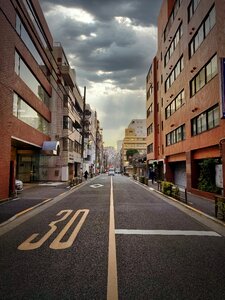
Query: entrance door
[[180, 174], [27, 167]]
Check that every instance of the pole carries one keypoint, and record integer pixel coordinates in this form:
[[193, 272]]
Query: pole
[[83, 119]]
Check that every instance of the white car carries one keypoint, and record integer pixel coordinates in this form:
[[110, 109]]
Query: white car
[[111, 172], [18, 185]]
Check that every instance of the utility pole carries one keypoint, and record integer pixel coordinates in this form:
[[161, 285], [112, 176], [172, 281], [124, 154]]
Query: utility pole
[[83, 128]]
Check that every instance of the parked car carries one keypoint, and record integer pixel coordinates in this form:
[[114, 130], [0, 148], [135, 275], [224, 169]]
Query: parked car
[[18, 185], [111, 172]]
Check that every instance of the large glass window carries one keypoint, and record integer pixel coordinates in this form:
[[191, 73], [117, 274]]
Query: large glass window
[[174, 74], [202, 32], [205, 121], [27, 76], [204, 76], [192, 7], [35, 21], [173, 44], [171, 18], [176, 135], [28, 115], [175, 104], [27, 41]]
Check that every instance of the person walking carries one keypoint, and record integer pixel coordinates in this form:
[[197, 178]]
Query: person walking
[[86, 175]]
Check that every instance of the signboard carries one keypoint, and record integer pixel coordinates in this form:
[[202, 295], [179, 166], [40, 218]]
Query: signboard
[[219, 176]]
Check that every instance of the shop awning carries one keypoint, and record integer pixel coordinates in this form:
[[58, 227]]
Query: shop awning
[[50, 148]]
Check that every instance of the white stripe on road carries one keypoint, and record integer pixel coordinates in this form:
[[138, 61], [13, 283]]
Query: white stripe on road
[[166, 232]]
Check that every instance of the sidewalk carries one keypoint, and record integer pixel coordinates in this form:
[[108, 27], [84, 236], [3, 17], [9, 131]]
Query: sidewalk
[[202, 204], [33, 194]]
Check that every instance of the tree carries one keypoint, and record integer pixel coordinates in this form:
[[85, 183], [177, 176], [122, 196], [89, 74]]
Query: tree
[[130, 153]]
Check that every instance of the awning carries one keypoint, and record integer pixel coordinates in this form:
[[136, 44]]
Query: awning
[[50, 148]]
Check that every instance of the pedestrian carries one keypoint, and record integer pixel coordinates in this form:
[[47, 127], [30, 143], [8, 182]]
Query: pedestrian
[[152, 175], [86, 174]]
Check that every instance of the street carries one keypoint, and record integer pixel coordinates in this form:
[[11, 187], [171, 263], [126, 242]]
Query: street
[[111, 239]]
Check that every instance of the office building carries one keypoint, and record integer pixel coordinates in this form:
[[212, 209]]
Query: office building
[[185, 101]]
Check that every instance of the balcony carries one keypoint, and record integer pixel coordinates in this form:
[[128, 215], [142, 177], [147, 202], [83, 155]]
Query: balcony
[[68, 75]]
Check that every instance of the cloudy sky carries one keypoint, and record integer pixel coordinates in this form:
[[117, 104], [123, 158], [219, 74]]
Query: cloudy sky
[[110, 44]]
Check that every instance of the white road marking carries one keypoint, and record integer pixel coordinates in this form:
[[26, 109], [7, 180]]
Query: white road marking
[[167, 232], [95, 186]]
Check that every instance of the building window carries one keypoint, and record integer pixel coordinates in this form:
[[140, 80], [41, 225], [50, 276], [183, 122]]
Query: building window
[[192, 8], [150, 129], [173, 45], [21, 30], [204, 76], [29, 79], [205, 121], [171, 18], [174, 74], [175, 104], [35, 21], [28, 115], [65, 144], [67, 123], [149, 110], [175, 136], [150, 148], [150, 90], [202, 32]]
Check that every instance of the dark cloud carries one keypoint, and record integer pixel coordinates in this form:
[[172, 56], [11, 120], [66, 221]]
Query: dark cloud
[[143, 12], [108, 51]]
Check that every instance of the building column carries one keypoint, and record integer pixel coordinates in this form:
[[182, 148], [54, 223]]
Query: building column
[[169, 176]]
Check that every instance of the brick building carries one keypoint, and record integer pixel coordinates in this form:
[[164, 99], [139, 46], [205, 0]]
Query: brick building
[[185, 92], [41, 105]]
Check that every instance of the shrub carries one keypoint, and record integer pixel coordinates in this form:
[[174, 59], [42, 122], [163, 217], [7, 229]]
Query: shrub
[[221, 206], [175, 192], [207, 176], [167, 188], [142, 179]]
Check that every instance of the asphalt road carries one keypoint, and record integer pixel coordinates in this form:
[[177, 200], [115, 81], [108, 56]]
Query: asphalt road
[[157, 251]]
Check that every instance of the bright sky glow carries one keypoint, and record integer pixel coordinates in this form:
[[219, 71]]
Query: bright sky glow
[[75, 14], [110, 45]]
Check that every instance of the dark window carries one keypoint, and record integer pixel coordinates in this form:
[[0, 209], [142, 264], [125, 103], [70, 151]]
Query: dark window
[[204, 76], [205, 121]]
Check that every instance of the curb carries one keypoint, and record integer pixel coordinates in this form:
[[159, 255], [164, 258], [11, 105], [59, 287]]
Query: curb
[[181, 203], [37, 205]]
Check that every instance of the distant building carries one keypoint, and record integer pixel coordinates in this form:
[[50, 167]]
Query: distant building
[[139, 126], [109, 157], [119, 145], [132, 141]]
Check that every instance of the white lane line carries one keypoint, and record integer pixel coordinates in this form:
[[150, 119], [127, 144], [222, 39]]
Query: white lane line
[[167, 232], [112, 285]]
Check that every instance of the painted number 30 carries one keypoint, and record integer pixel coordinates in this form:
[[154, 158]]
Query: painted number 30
[[57, 243]]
